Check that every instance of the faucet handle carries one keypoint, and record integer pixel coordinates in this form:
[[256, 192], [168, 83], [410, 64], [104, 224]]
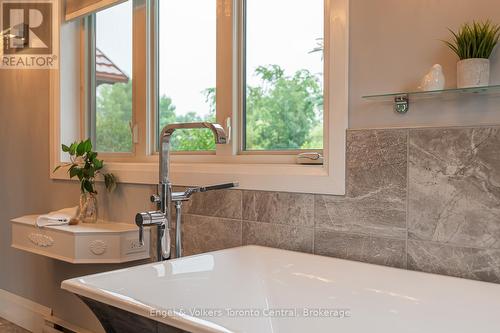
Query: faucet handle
[[147, 219], [218, 186], [184, 196], [150, 218], [141, 235]]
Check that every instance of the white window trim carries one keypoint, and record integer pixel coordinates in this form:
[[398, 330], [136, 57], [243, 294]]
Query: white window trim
[[273, 174]]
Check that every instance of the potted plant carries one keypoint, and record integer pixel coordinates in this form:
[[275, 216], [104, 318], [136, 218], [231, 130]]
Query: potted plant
[[85, 165], [474, 43]]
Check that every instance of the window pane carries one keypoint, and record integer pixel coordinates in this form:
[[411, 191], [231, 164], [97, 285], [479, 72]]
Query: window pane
[[284, 75], [113, 75], [187, 69]]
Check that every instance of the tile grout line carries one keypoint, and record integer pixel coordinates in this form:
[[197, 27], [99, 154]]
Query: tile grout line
[[407, 193], [214, 217], [360, 234], [277, 224], [314, 225], [409, 128], [241, 217], [456, 246]]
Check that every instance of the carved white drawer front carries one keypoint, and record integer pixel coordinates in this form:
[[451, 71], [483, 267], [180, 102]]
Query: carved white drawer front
[[98, 247], [103, 242], [41, 240]]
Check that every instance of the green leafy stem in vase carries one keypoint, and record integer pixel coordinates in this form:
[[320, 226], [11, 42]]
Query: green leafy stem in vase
[[86, 166]]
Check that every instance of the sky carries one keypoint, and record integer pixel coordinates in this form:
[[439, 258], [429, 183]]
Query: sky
[[114, 35], [278, 32]]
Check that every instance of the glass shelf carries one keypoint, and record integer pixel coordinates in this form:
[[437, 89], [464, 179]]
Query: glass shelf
[[402, 99]]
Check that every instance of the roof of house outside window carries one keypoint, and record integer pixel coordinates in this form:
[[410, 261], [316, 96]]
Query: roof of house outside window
[[106, 70]]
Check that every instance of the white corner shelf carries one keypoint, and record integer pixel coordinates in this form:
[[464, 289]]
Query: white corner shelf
[[100, 243]]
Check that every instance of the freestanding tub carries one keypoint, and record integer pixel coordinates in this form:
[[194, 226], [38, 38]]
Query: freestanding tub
[[263, 290]]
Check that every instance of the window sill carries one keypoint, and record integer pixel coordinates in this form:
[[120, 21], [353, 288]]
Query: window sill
[[263, 177]]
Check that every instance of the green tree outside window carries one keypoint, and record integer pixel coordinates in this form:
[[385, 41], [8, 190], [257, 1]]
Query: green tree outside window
[[283, 112]]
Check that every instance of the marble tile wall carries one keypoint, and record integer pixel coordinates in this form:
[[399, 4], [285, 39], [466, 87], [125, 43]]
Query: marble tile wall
[[421, 199], [454, 202]]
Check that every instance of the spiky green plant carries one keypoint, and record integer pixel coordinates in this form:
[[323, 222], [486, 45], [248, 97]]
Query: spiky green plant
[[476, 40]]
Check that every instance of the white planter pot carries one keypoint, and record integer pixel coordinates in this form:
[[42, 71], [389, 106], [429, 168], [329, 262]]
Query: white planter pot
[[473, 73]]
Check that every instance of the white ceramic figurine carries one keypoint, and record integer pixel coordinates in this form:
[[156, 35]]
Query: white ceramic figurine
[[434, 80]]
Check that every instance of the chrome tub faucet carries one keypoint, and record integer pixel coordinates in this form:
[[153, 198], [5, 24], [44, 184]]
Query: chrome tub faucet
[[161, 217]]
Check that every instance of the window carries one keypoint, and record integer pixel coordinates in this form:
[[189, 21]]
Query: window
[[282, 97], [283, 84], [283, 81], [266, 70], [187, 69], [111, 79]]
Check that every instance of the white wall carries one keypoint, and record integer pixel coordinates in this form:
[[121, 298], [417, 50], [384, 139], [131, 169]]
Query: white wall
[[25, 188], [393, 43]]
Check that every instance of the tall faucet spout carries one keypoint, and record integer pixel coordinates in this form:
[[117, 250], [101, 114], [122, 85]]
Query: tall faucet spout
[[217, 130], [165, 186], [166, 134], [161, 218]]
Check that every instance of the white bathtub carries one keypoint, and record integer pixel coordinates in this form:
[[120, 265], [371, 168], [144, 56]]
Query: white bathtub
[[309, 293]]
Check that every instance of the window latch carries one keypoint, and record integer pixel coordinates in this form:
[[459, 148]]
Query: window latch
[[310, 158], [135, 132], [228, 129]]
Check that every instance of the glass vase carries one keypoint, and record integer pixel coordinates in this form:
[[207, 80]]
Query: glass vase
[[88, 208]]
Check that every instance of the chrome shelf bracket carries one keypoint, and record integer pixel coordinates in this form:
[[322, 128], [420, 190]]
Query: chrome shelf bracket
[[401, 103]]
